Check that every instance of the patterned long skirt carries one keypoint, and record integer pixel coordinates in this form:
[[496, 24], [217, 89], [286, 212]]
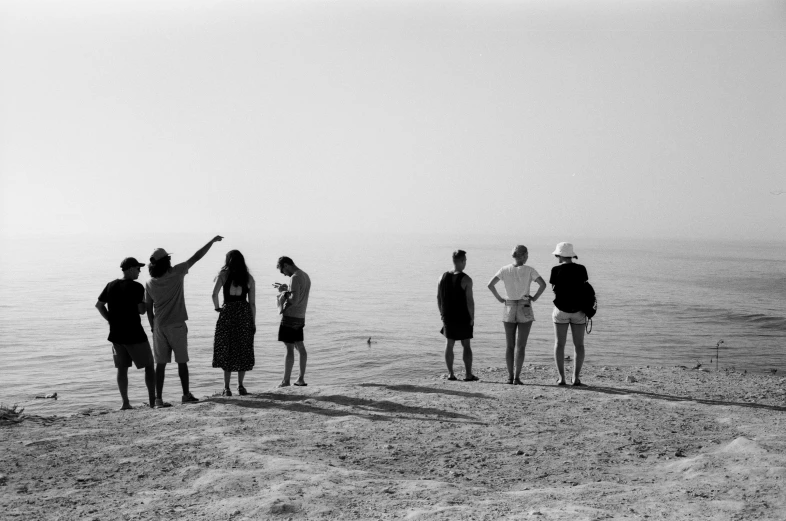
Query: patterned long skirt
[[233, 345]]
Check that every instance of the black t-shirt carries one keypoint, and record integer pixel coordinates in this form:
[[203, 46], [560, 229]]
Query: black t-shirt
[[124, 297], [567, 280]]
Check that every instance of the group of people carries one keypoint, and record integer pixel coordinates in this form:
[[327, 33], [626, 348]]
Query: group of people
[[123, 301], [457, 310]]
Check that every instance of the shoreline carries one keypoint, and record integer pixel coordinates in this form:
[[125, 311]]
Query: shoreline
[[658, 443]]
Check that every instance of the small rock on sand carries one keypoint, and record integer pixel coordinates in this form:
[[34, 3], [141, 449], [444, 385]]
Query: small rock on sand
[[631, 379]]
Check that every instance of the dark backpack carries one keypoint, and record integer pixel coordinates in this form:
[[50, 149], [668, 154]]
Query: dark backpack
[[589, 304]]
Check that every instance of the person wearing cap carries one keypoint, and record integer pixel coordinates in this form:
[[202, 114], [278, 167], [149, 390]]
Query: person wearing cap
[[125, 298], [457, 310], [292, 301], [517, 315], [166, 312], [567, 279]]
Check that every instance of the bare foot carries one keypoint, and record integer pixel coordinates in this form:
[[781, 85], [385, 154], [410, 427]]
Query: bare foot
[[577, 383], [560, 381], [126, 406], [283, 384], [517, 381]]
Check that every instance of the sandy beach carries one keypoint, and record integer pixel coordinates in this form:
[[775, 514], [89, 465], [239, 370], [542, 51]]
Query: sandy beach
[[638, 443]]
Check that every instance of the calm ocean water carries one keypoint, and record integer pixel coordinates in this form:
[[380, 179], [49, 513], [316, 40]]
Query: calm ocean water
[[660, 303]]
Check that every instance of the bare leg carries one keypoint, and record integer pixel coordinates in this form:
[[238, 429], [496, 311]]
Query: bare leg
[[289, 361], [521, 346], [182, 370], [302, 358], [449, 357], [577, 330], [160, 374], [561, 336], [510, 339], [150, 382], [467, 358], [240, 376], [227, 377], [122, 385]]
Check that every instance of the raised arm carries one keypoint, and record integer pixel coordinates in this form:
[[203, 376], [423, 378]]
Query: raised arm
[[541, 288], [202, 251], [220, 279], [492, 286]]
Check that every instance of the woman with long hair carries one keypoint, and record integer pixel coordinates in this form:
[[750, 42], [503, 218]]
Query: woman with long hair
[[567, 280], [233, 345]]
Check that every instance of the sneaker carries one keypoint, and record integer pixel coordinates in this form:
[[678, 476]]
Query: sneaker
[[226, 392], [160, 404], [241, 390], [188, 398]]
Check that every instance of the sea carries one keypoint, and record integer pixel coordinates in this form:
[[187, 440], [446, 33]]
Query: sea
[[660, 302]]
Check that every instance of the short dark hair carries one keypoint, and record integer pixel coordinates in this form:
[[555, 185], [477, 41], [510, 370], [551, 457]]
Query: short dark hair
[[459, 254], [284, 260], [159, 267]]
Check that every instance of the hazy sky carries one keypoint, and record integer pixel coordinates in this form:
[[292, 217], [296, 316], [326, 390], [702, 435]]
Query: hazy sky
[[565, 119]]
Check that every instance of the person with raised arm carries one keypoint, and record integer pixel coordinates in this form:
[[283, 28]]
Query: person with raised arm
[[166, 312], [517, 315]]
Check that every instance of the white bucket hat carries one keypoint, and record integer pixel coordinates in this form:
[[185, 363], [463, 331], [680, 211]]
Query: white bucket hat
[[565, 249]]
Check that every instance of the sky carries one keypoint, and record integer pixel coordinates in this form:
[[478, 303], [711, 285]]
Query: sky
[[662, 119]]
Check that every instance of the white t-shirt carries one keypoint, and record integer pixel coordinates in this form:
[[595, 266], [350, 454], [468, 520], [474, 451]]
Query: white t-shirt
[[517, 280]]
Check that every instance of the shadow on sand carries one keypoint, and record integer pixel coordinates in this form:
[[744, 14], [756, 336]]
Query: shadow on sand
[[363, 408], [427, 390], [670, 398]]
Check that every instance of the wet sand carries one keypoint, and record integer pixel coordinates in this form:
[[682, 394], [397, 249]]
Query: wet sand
[[638, 443]]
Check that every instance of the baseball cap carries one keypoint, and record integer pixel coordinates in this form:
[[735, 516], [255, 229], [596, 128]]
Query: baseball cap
[[130, 262], [159, 253]]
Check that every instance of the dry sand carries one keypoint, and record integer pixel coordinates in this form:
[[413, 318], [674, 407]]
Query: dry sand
[[673, 444]]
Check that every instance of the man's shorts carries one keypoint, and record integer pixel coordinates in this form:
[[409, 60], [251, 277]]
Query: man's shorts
[[172, 337], [518, 311], [561, 317], [291, 330], [457, 330], [139, 353]]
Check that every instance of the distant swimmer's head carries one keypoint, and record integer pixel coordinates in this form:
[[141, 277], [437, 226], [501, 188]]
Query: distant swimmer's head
[[564, 250], [160, 262], [460, 259], [520, 254]]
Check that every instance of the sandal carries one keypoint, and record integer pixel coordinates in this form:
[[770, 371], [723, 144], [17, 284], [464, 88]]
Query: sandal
[[241, 390], [226, 392]]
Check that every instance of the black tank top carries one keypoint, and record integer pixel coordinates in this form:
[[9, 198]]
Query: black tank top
[[454, 298], [234, 298]]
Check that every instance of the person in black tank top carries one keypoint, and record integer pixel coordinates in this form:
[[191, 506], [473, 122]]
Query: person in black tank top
[[457, 310], [567, 280]]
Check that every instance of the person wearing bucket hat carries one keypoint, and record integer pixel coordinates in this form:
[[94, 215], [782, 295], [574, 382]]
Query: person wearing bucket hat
[[125, 298], [567, 280], [517, 316], [166, 312]]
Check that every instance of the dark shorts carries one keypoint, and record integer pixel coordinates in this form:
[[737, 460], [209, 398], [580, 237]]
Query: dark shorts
[[457, 331], [291, 330], [140, 354]]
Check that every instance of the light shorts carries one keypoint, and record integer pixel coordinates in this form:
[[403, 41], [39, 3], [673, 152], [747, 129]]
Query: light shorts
[[518, 311], [561, 317], [172, 337], [140, 354]]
